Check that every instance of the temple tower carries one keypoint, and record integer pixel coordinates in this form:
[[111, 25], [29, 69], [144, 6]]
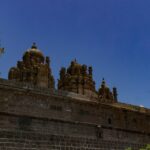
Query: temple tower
[[33, 69], [105, 95], [77, 78]]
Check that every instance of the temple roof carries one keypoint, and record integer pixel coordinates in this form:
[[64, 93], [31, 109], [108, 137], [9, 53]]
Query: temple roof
[[77, 78], [33, 69], [34, 48], [33, 53]]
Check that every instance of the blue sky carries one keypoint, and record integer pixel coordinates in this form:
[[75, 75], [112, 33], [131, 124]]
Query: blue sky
[[111, 35]]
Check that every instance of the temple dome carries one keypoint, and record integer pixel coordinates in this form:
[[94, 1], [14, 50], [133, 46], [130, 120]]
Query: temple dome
[[77, 78], [74, 68], [106, 95], [34, 49], [33, 54], [34, 69]]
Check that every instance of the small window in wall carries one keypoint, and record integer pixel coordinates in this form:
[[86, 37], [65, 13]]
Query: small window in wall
[[109, 121]]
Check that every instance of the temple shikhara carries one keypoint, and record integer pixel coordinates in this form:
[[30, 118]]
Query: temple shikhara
[[34, 115], [33, 69]]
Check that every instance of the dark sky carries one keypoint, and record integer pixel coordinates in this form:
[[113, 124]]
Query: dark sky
[[111, 35]]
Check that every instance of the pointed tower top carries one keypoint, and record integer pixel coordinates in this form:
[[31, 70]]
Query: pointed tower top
[[103, 82], [75, 60], [34, 46], [1, 50]]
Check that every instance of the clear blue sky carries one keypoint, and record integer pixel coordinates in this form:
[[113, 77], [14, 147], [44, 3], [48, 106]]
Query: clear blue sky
[[111, 35]]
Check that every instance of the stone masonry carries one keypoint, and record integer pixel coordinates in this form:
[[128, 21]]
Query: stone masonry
[[36, 116]]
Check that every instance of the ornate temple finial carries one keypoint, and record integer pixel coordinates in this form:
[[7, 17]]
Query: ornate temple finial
[[103, 82], [75, 60], [47, 60], [77, 79], [34, 45], [33, 69], [1, 50], [62, 73], [115, 94], [90, 71], [105, 94], [84, 69]]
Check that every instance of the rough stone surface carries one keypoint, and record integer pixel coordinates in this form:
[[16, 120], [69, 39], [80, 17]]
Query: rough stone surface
[[42, 119]]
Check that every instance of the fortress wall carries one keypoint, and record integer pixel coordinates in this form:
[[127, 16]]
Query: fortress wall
[[30, 103], [35, 141], [26, 133], [30, 120]]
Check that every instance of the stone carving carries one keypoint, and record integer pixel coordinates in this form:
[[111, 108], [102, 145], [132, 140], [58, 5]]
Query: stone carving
[[115, 94], [33, 69], [90, 71], [47, 61], [76, 79], [84, 70], [105, 95], [62, 73], [1, 50]]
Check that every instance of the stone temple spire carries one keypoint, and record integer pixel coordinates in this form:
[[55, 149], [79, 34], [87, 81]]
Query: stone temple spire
[[33, 69], [115, 94], [1, 50], [103, 83], [34, 46], [105, 95], [77, 78]]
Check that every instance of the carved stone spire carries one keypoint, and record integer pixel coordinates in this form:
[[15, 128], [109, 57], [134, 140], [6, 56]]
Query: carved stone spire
[[33, 69], [1, 50], [34, 46], [115, 94], [90, 71], [76, 78], [104, 94], [103, 85]]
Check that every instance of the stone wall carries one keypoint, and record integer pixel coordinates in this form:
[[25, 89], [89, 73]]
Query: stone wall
[[36, 119], [26, 133], [35, 141]]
